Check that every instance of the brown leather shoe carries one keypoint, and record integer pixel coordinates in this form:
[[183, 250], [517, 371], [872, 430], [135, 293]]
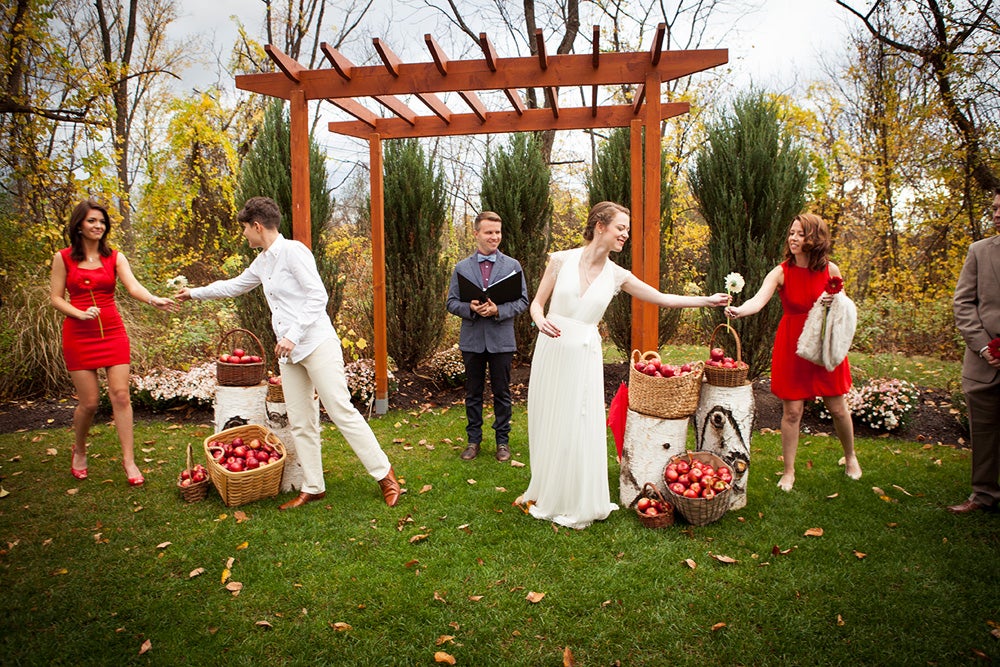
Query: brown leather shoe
[[390, 488], [471, 452], [969, 506], [503, 452], [302, 499]]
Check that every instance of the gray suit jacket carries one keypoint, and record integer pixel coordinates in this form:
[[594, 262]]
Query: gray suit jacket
[[487, 334], [977, 308]]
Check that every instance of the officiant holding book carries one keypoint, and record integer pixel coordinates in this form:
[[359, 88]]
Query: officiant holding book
[[487, 291]]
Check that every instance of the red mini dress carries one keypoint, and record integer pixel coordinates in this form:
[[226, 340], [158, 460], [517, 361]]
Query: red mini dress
[[101, 342], [792, 377]]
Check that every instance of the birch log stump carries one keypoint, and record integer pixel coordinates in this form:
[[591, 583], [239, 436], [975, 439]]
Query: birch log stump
[[277, 421], [648, 444], [235, 406], [723, 426]]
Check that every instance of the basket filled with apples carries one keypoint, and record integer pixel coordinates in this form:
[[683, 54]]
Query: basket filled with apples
[[193, 482], [663, 390], [235, 364], [653, 509], [275, 394], [698, 485], [245, 463], [722, 370]]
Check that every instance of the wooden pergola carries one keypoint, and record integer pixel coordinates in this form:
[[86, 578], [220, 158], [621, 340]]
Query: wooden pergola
[[343, 84]]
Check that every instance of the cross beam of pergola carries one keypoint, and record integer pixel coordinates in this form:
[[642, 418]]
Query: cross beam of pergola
[[343, 84]]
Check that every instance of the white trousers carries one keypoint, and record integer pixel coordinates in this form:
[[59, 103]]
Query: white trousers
[[323, 372]]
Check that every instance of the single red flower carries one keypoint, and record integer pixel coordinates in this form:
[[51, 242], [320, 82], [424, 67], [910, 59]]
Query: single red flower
[[994, 347], [834, 285]]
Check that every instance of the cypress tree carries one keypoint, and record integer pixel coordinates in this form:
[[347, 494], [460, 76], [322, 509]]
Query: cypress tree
[[416, 272], [750, 181]]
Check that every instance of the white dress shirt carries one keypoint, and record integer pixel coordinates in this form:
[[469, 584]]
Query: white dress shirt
[[294, 293]]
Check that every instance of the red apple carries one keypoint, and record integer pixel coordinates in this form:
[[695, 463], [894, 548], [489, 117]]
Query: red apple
[[716, 354], [254, 443], [185, 474], [696, 487], [185, 482], [671, 474], [236, 466], [696, 474], [677, 488], [651, 511], [686, 368], [224, 358], [690, 493], [719, 486], [240, 451], [707, 494], [239, 352], [642, 504], [683, 466]]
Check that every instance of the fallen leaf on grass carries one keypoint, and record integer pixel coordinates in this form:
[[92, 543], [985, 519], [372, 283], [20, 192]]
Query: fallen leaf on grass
[[263, 624], [859, 554], [72, 492], [981, 655], [832, 496], [516, 464], [229, 562], [146, 645], [4, 492], [995, 632], [444, 639], [534, 597], [899, 488], [340, 626], [418, 538], [466, 528], [840, 620], [814, 532], [439, 598], [163, 545], [500, 489], [225, 574], [52, 451], [243, 546], [425, 488], [475, 598], [718, 626], [441, 656], [723, 559], [778, 551], [240, 516], [198, 571], [402, 522], [690, 563], [878, 491], [471, 481], [568, 660], [234, 587], [62, 570], [411, 563]]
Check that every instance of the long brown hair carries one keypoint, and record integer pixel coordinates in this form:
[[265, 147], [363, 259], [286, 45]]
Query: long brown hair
[[816, 243], [73, 229]]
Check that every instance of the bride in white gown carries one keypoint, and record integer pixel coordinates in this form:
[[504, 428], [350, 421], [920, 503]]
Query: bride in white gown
[[567, 439]]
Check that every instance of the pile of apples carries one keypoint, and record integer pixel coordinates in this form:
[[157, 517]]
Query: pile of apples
[[696, 479], [238, 456], [274, 379], [193, 476], [654, 368], [239, 356], [651, 506], [717, 358]]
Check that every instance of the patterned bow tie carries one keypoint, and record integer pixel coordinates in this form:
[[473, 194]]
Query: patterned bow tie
[[487, 258]]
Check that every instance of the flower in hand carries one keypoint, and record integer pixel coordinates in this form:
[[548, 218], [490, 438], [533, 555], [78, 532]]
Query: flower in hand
[[834, 285], [734, 283], [994, 348]]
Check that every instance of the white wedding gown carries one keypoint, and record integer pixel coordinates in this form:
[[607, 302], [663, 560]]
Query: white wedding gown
[[567, 437]]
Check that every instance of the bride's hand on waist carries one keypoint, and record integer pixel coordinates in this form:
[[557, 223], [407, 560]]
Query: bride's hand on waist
[[549, 329]]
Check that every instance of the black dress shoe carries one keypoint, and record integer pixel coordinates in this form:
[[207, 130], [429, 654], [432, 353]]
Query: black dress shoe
[[970, 506], [503, 452], [471, 452], [302, 499]]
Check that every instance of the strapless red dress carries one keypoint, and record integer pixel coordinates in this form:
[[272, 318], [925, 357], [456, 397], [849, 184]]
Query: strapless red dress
[[101, 342], [792, 377]]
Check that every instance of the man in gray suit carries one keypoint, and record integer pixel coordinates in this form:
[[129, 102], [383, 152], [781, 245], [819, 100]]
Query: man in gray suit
[[487, 335], [977, 316]]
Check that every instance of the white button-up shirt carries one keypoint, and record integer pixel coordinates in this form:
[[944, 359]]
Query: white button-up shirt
[[294, 293]]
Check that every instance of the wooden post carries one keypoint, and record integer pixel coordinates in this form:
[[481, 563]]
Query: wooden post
[[378, 275], [649, 329], [299, 130], [636, 206]]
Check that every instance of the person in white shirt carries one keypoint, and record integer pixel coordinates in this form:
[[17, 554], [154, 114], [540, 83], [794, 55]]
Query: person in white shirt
[[308, 348]]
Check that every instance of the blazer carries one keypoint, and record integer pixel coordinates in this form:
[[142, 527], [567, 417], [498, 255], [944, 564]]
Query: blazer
[[486, 334], [977, 308]]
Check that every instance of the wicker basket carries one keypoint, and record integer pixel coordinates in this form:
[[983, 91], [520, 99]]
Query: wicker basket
[[195, 491], [239, 488], [664, 520], [275, 394], [239, 375], [700, 511], [727, 377], [666, 398]]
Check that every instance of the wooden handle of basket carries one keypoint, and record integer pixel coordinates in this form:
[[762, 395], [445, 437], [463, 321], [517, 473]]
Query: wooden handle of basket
[[645, 356], [650, 485], [736, 337], [190, 458], [260, 346]]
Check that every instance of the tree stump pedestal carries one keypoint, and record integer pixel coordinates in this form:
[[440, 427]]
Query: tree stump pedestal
[[723, 426], [648, 444]]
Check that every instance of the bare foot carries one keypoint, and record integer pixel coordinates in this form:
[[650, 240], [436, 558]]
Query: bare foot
[[851, 468], [786, 482]]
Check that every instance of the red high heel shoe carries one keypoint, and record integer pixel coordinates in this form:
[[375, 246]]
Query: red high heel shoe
[[79, 474], [134, 481]]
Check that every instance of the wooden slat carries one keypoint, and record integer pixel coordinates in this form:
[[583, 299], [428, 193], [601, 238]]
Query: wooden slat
[[289, 67], [398, 107], [355, 109], [474, 75], [596, 46], [552, 95], [543, 60], [436, 105], [438, 54], [391, 60], [474, 103], [657, 49], [488, 51], [298, 121], [340, 63], [498, 122], [515, 100], [640, 95]]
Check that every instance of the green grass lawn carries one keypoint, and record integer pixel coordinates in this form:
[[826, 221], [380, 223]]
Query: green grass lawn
[[91, 570]]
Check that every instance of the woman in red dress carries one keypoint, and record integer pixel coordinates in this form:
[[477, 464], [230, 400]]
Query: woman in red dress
[[93, 333], [800, 280]]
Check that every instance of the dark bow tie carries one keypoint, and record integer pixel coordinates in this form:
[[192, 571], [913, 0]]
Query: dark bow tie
[[487, 258]]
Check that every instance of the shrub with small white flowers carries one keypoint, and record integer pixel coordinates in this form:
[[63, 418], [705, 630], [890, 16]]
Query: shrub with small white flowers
[[361, 380], [882, 404], [448, 367], [166, 387]]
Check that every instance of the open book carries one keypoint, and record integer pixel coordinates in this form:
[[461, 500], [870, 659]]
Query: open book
[[505, 290]]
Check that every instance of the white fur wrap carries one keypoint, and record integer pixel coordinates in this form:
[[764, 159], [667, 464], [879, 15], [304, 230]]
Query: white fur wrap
[[830, 349]]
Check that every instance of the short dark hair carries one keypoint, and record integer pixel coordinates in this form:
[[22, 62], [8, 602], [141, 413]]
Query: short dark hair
[[602, 213], [76, 219], [260, 209], [485, 215]]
